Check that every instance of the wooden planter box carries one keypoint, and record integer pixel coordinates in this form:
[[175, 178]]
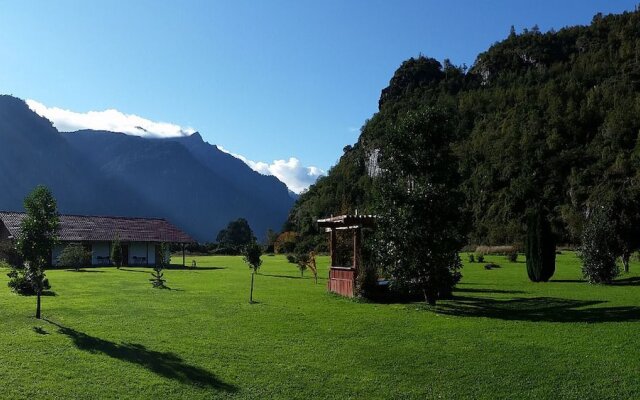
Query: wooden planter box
[[342, 280]]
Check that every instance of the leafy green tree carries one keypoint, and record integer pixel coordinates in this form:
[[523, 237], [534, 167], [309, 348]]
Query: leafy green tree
[[38, 234], [116, 252], [421, 224], [251, 255], [236, 235], [74, 255]]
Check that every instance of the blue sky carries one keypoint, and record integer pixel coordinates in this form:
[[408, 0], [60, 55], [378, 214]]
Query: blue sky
[[268, 80]]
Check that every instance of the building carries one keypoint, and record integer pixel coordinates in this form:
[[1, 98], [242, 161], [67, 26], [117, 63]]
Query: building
[[140, 237]]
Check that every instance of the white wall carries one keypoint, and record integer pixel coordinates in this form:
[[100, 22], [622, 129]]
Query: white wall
[[139, 249], [100, 249]]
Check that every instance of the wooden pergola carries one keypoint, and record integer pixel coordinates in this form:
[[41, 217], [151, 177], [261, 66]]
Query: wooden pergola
[[342, 278]]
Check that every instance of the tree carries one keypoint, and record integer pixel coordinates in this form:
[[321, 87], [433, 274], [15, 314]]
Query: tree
[[540, 248], [251, 255], [421, 224], [38, 234], [236, 235], [598, 250], [302, 260], [116, 252], [74, 255], [272, 236], [157, 276]]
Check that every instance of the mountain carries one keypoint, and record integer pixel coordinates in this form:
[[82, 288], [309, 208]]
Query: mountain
[[543, 121], [185, 180], [32, 152], [196, 185]]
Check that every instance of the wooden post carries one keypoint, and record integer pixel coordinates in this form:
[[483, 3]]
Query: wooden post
[[356, 247], [332, 248]]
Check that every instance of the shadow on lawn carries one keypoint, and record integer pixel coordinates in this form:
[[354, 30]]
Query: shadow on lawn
[[539, 309], [148, 268], [168, 365], [501, 291], [633, 281]]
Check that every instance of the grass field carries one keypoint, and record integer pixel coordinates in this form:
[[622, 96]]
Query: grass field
[[107, 334]]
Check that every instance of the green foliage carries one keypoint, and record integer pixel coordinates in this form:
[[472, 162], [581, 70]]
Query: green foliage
[[421, 226], [512, 256], [252, 254], [302, 261], [38, 234], [236, 235], [74, 255], [540, 247], [471, 258], [599, 247], [157, 276], [116, 252]]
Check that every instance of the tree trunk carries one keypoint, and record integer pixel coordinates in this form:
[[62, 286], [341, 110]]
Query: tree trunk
[[38, 305], [430, 296], [251, 294], [625, 261]]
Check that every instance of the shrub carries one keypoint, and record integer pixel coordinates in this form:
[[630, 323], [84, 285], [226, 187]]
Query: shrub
[[291, 258], [74, 255], [480, 258], [19, 283], [472, 259], [598, 250], [496, 250], [513, 256]]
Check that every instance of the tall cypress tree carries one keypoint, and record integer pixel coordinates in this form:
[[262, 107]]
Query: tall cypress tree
[[540, 247]]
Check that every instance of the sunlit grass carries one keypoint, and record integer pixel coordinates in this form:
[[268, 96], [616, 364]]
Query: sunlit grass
[[108, 334]]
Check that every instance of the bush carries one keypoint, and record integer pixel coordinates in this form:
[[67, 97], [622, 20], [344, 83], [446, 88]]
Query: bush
[[512, 257], [472, 258], [480, 258], [74, 255], [292, 259], [496, 250], [19, 284], [598, 250]]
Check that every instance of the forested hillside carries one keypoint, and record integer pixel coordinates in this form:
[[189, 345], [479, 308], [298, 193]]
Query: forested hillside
[[546, 124]]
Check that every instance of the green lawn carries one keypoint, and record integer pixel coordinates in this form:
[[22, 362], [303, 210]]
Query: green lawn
[[108, 334]]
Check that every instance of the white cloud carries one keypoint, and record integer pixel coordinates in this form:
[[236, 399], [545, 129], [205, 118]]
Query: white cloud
[[108, 120], [291, 172]]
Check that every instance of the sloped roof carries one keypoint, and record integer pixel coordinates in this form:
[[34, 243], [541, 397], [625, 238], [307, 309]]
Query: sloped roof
[[82, 228]]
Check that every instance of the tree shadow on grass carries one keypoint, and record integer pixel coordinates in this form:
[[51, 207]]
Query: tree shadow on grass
[[633, 281], [84, 270], [167, 365], [472, 290], [538, 309]]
